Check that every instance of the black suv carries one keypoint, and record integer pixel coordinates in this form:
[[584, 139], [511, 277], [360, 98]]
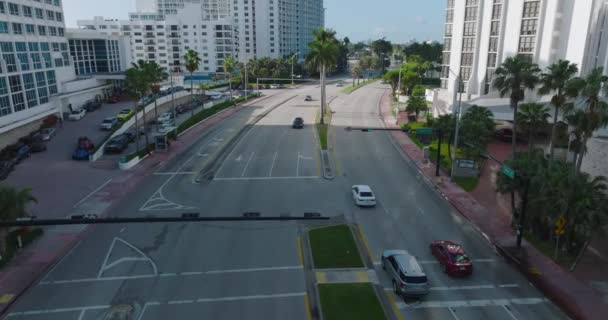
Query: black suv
[[298, 123]]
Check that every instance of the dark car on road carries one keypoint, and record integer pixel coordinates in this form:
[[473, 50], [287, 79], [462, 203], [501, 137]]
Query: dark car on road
[[298, 123], [117, 144]]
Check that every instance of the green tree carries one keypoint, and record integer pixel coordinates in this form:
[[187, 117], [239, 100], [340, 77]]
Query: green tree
[[229, 64], [13, 205], [356, 73], [428, 52], [590, 89], [366, 63], [532, 117], [416, 105], [513, 77], [477, 128], [392, 77], [138, 83], [323, 57], [192, 62], [156, 77], [446, 124], [555, 81], [382, 48]]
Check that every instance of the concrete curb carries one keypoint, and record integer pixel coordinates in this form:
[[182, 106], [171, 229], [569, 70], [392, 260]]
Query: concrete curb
[[328, 172]]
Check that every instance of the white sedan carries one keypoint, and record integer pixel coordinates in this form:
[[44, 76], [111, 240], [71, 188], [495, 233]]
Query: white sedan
[[363, 195], [77, 115]]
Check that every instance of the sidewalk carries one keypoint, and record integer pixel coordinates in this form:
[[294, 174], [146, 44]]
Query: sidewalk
[[575, 298], [30, 265]]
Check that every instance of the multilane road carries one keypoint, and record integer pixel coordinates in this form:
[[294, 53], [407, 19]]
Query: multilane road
[[255, 162]]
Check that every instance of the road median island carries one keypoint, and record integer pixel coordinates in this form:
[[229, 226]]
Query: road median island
[[351, 89], [350, 301], [334, 247]]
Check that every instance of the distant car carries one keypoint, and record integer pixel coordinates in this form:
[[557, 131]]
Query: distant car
[[80, 154], [85, 143], [274, 86], [108, 123], [165, 116], [117, 144], [36, 145], [22, 151], [124, 114], [363, 195], [308, 98], [130, 135], [298, 123], [91, 106], [407, 277], [46, 134], [77, 115], [183, 109], [166, 126], [216, 97], [452, 258], [340, 84]]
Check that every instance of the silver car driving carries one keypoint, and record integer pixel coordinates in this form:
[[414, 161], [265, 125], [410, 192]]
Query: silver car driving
[[407, 277]]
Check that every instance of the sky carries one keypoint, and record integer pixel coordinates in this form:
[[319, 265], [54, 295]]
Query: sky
[[398, 20]]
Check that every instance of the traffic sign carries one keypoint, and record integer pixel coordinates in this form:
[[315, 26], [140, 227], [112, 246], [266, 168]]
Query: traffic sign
[[507, 171], [424, 131], [560, 225]]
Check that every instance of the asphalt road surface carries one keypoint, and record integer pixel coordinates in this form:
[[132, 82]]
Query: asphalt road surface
[[255, 162]]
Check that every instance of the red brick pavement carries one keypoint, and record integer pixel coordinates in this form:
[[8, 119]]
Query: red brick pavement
[[26, 269], [577, 299]]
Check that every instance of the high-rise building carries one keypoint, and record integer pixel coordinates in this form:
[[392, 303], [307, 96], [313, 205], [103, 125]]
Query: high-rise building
[[95, 54], [163, 30], [480, 34]]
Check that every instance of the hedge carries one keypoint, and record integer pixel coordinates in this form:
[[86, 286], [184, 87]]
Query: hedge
[[12, 246]]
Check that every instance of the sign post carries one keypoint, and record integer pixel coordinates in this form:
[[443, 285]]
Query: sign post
[[507, 171]]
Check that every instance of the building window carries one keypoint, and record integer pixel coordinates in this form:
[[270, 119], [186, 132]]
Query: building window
[[449, 16], [18, 102], [445, 58], [2, 7], [15, 83], [3, 27], [492, 59], [472, 3], [27, 11], [39, 13], [30, 29], [470, 29], [493, 44], [23, 61], [466, 59], [468, 44], [528, 26], [448, 30], [50, 15], [13, 9], [447, 44], [496, 11], [465, 73], [32, 100], [450, 4], [53, 31], [58, 16], [531, 9], [494, 28], [42, 30], [526, 44], [17, 28], [470, 14], [11, 63]]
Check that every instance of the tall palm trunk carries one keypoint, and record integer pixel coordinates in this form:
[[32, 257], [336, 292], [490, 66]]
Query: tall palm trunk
[[145, 128], [514, 105], [156, 112], [323, 94], [191, 95], [531, 141], [136, 126], [581, 153], [230, 84], [554, 128]]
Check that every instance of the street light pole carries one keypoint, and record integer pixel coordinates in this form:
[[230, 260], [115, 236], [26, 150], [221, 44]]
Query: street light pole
[[295, 54], [246, 80], [172, 92], [398, 95]]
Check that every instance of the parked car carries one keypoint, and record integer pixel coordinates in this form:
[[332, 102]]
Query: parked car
[[298, 123], [117, 144], [308, 98], [77, 114], [274, 86], [22, 151], [452, 258], [166, 126], [340, 84], [165, 116], [34, 142], [124, 114], [216, 97], [92, 105], [47, 134], [183, 109], [506, 135], [130, 135], [114, 99], [80, 154], [85, 143], [108, 123], [363, 195], [407, 277], [6, 166]]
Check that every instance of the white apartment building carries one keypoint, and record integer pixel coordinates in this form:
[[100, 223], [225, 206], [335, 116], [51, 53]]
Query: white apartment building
[[96, 54], [163, 30], [481, 34]]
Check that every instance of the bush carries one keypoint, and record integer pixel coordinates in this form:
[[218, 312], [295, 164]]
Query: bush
[[49, 122], [12, 245], [419, 90], [141, 153], [206, 113]]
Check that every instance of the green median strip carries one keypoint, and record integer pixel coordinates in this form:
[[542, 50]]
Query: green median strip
[[351, 89], [322, 131], [350, 301], [334, 247]]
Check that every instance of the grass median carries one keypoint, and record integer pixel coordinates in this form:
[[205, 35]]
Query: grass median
[[351, 89], [350, 301], [334, 247]]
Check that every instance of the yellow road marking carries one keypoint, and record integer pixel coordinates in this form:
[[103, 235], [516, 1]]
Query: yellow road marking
[[365, 243], [307, 303], [300, 251], [362, 276], [394, 305], [5, 298], [321, 277]]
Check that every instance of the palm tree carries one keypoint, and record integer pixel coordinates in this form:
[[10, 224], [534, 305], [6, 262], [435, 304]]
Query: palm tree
[[416, 104], [13, 205], [137, 82], [477, 125], [445, 124], [323, 56], [555, 80], [192, 62], [366, 63], [156, 76], [595, 109], [229, 64], [513, 77], [532, 117], [357, 71]]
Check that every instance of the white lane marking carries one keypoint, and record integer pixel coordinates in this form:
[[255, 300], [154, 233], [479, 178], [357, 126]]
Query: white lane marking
[[61, 260], [247, 164], [509, 312], [253, 297], [473, 287], [264, 178], [183, 173], [81, 316], [470, 303], [180, 302], [92, 193], [168, 275], [58, 310], [105, 260], [143, 257], [125, 259], [274, 159], [298, 165], [453, 313], [377, 263], [122, 230]]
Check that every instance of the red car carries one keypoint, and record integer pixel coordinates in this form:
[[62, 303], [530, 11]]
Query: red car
[[452, 257]]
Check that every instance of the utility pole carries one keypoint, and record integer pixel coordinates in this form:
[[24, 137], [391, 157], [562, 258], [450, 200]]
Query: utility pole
[[246, 81], [172, 93], [292, 57], [457, 114], [522, 215], [437, 165]]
